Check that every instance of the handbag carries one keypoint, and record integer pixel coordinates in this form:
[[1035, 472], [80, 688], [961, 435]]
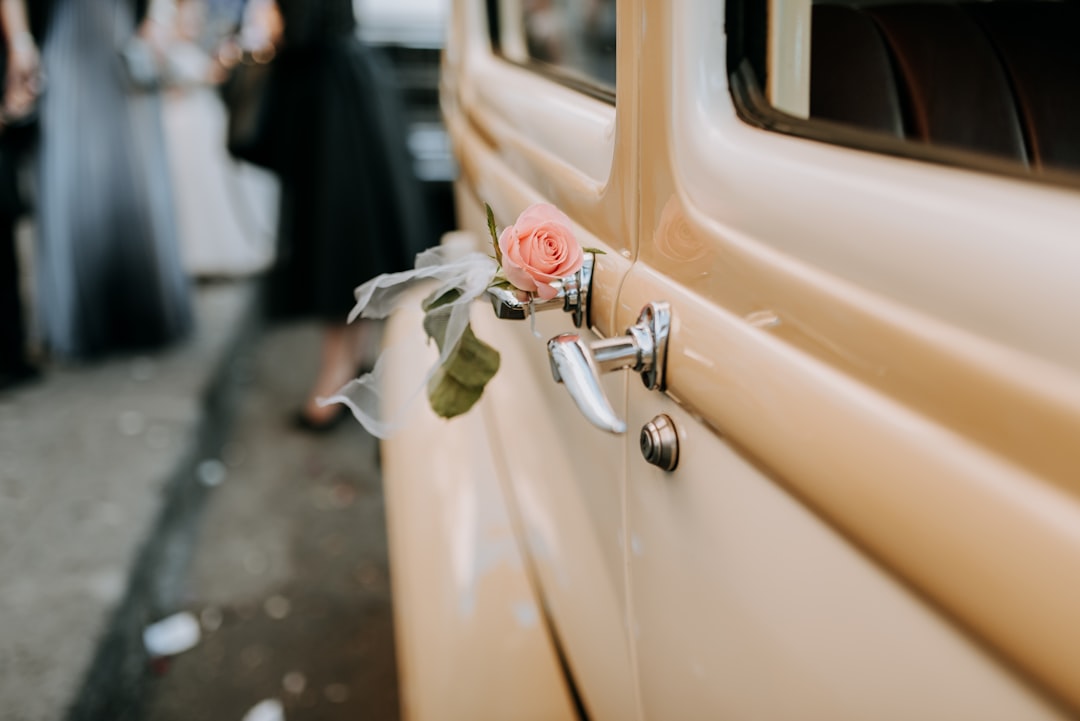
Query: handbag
[[250, 97]]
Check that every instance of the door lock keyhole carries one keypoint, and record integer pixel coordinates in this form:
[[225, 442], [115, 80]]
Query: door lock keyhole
[[660, 443]]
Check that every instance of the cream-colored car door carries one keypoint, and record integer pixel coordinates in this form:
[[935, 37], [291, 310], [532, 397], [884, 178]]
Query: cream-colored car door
[[523, 137], [874, 384]]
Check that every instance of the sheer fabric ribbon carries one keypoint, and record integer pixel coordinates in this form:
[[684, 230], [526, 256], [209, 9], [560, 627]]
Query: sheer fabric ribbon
[[469, 274]]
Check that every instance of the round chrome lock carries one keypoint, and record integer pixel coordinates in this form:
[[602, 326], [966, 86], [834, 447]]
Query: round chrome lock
[[660, 443]]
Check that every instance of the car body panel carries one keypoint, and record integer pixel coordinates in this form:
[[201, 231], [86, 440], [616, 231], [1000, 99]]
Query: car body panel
[[521, 140], [902, 405], [747, 604], [460, 579], [777, 512], [565, 481], [566, 486], [550, 141], [875, 513]]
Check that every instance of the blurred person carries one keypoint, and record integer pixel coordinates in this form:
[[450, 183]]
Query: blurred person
[[545, 30], [109, 276], [20, 74], [350, 204], [226, 207]]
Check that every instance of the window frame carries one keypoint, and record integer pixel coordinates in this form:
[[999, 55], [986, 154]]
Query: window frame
[[578, 82], [746, 67]]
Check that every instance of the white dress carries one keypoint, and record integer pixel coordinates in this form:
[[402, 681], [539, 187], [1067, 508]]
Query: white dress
[[226, 209]]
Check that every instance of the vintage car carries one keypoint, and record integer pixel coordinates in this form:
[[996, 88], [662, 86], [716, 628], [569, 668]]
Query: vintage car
[[820, 453]]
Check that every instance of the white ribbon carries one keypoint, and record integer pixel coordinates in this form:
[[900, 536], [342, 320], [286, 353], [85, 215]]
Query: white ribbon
[[469, 274]]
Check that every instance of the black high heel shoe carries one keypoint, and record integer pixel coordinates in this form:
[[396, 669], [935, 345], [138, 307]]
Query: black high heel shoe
[[302, 421], [23, 374]]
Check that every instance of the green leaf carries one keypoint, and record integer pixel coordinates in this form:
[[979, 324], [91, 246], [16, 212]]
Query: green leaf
[[595, 251], [494, 233], [432, 303], [459, 382]]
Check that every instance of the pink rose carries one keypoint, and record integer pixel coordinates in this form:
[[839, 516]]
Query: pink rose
[[538, 249]]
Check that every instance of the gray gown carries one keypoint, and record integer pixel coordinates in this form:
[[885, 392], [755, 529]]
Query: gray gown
[[109, 276]]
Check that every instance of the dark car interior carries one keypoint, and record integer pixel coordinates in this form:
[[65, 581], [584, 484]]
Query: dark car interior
[[990, 84], [997, 77]]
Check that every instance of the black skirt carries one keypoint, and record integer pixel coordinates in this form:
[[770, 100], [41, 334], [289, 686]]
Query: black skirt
[[350, 206]]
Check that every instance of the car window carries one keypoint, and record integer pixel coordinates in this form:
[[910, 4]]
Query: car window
[[571, 39], [989, 83]]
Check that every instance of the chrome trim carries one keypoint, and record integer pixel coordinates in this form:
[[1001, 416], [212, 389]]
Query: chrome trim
[[573, 365], [572, 297], [654, 327], [659, 443], [643, 348]]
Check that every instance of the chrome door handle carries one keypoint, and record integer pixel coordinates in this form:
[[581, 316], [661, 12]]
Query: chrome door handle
[[573, 297], [573, 365], [643, 348]]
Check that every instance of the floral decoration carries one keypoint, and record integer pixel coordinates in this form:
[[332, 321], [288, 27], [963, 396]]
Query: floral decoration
[[531, 254], [538, 249]]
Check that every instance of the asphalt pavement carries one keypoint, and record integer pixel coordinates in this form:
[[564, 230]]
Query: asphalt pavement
[[143, 487], [289, 579]]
